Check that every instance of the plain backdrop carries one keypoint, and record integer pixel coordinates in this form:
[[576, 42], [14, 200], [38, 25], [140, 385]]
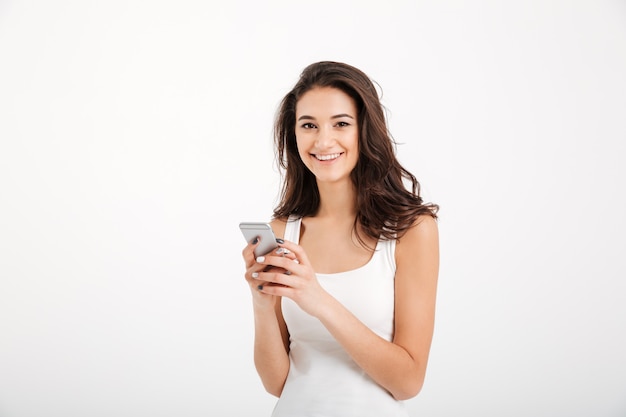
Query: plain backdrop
[[136, 135]]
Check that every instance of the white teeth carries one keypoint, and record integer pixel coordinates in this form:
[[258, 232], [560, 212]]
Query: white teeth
[[327, 157]]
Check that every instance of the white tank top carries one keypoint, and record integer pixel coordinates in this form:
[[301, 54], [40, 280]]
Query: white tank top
[[323, 381]]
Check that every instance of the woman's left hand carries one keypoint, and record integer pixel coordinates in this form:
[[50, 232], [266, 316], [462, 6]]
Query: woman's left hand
[[294, 278]]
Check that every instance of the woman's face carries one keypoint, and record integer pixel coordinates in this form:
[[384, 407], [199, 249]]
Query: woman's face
[[327, 133]]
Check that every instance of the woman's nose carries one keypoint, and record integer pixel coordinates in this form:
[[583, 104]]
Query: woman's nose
[[325, 137]]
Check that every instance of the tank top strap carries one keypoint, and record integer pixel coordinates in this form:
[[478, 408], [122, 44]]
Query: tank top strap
[[387, 249], [292, 229]]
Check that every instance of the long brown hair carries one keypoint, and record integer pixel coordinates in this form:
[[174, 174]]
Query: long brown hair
[[386, 208]]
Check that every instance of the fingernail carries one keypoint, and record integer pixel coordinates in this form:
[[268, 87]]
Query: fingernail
[[255, 275], [259, 287], [255, 241], [281, 250], [279, 240], [260, 259]]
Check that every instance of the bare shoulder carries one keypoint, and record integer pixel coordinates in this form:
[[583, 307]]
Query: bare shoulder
[[417, 251], [424, 231], [278, 226]]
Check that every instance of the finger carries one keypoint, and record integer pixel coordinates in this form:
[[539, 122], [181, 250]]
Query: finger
[[297, 250], [256, 282], [274, 278], [252, 272], [277, 290], [285, 253], [287, 263]]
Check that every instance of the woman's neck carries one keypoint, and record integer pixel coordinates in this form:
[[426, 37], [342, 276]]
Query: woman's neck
[[337, 200]]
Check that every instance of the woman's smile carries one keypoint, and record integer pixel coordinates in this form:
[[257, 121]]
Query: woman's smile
[[328, 157]]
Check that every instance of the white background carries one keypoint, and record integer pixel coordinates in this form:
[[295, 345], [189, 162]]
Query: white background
[[136, 135]]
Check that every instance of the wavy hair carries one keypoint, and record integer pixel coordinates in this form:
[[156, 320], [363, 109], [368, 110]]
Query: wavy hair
[[386, 207]]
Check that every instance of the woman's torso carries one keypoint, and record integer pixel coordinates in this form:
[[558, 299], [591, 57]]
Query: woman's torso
[[323, 380]]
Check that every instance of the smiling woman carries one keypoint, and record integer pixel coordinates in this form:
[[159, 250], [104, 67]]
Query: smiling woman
[[344, 308], [327, 133]]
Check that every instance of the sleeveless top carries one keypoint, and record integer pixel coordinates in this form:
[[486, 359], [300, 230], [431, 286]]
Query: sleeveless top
[[323, 380]]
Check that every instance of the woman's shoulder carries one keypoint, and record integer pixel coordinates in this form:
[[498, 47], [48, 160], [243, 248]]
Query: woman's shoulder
[[424, 231], [417, 253]]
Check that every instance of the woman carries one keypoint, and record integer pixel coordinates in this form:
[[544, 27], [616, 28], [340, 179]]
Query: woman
[[344, 308]]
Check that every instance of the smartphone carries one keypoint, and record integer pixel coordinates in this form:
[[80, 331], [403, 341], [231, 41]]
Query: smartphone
[[261, 230]]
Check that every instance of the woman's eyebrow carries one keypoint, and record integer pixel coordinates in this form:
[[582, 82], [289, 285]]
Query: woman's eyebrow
[[337, 116]]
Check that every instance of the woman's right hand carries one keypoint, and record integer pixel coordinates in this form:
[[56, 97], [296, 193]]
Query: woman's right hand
[[260, 300]]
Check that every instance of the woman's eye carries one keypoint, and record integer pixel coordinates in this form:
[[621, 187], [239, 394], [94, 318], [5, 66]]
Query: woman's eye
[[308, 126], [343, 124]]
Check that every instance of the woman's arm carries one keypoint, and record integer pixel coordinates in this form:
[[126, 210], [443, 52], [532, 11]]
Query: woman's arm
[[398, 366], [270, 348], [271, 338]]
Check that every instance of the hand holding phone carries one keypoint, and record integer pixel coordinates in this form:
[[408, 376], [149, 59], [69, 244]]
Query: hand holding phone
[[261, 230]]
